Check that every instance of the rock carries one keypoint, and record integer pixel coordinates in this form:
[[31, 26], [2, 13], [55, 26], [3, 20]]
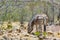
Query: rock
[[18, 30], [24, 38], [1, 33], [5, 38], [10, 31], [33, 37]]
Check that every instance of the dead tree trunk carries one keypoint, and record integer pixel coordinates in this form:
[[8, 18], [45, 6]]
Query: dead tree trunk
[[59, 16], [52, 7]]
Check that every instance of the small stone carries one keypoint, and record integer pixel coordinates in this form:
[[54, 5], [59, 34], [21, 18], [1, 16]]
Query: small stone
[[10, 31], [5, 38]]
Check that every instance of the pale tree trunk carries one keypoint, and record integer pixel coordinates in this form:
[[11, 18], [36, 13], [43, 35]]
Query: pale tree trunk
[[52, 7], [21, 21], [59, 16], [22, 18]]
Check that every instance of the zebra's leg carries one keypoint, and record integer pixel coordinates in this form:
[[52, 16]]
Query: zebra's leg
[[36, 28], [30, 28]]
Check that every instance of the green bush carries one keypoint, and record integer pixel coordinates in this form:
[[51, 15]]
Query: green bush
[[44, 33], [37, 33], [9, 26]]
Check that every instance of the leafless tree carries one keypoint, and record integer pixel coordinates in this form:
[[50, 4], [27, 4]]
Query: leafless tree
[[59, 16], [52, 7]]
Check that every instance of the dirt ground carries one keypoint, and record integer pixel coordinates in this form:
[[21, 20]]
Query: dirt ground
[[53, 31]]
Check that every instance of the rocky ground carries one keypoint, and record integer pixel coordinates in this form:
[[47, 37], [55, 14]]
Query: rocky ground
[[16, 33], [20, 33], [18, 36]]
